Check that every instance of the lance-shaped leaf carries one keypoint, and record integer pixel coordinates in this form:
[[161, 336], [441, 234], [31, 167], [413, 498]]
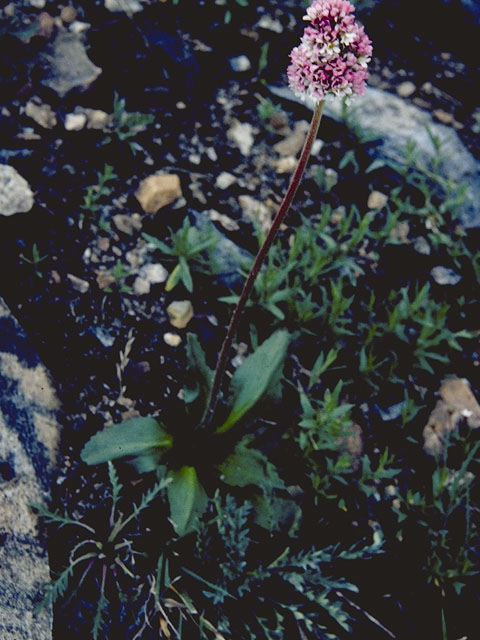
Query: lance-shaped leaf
[[142, 439], [201, 374], [187, 499], [258, 375]]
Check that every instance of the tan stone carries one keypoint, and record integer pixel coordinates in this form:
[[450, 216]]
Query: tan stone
[[293, 143], [377, 200], [455, 405], [158, 191], [42, 113], [180, 312]]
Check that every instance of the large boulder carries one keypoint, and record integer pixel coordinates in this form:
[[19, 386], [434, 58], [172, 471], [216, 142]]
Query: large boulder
[[28, 443], [396, 121]]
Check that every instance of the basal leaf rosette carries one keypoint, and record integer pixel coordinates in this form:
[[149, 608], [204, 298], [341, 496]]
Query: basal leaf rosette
[[333, 54]]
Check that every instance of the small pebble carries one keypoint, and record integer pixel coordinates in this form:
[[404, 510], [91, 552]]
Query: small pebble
[[267, 22], [154, 273], [406, 89], [211, 154], [240, 64], [127, 223], [82, 286], [286, 164], [421, 246], [443, 116], [141, 286], [180, 312], [68, 14], [377, 200], [225, 180], [445, 276], [75, 121], [172, 339], [241, 133], [79, 27]]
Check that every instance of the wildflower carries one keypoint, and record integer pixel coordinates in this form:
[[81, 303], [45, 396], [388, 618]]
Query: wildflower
[[333, 54]]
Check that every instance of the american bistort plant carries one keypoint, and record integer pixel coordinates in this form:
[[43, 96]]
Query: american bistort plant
[[207, 449]]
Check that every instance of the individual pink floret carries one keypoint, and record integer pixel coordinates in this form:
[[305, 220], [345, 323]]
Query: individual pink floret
[[333, 54]]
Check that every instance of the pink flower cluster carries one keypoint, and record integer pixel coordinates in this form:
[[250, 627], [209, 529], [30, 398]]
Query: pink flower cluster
[[333, 54]]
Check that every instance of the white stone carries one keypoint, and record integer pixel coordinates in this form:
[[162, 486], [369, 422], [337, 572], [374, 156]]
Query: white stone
[[241, 134], [211, 154], [267, 22], [154, 273], [15, 193], [226, 222], [224, 180], [445, 276], [286, 164], [96, 118], [141, 286], [82, 286], [75, 121], [420, 244], [42, 113], [406, 89], [293, 143], [377, 200], [172, 339], [256, 211], [79, 27], [240, 64]]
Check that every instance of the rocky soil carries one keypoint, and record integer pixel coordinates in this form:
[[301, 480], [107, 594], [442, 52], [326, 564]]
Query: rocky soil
[[131, 118]]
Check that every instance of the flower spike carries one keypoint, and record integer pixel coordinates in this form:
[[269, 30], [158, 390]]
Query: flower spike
[[333, 54]]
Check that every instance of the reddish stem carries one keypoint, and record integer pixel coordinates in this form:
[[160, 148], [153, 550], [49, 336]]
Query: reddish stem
[[248, 286]]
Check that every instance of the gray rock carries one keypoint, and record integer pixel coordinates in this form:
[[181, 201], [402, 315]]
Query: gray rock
[[445, 276], [28, 443], [15, 193], [229, 259], [396, 122], [67, 65], [240, 64]]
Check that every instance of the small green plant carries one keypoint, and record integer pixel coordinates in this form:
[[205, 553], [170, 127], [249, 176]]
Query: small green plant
[[126, 125], [35, 260], [446, 513], [120, 273], [188, 453], [312, 592], [101, 556], [92, 200], [190, 246], [266, 110]]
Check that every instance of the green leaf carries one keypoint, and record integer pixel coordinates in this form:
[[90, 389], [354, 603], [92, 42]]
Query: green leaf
[[137, 437], [187, 499], [174, 278], [185, 274], [247, 466], [258, 375], [159, 244], [202, 373]]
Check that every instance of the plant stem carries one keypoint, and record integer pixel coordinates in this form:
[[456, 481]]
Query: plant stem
[[262, 253]]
